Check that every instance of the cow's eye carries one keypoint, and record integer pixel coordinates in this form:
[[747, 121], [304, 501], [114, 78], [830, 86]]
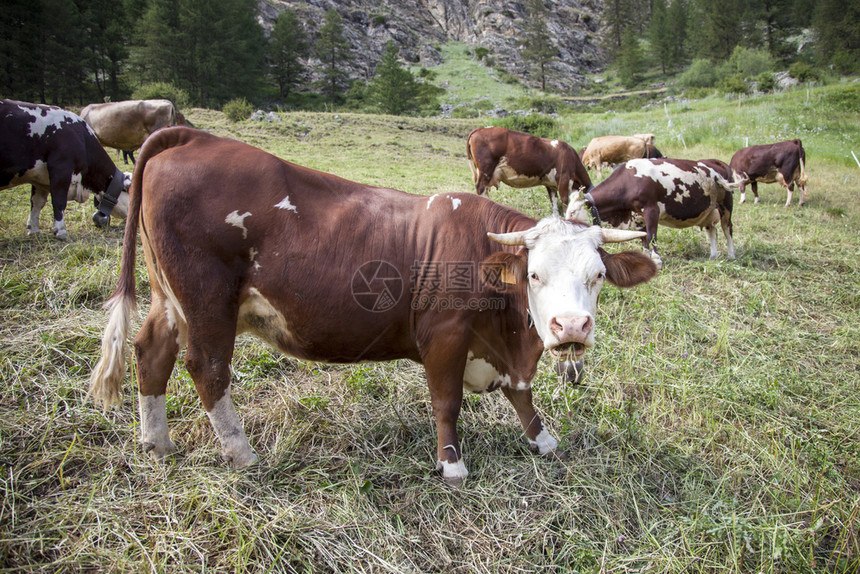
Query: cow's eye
[[534, 277], [601, 276]]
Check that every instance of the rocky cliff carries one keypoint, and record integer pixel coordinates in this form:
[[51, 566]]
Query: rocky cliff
[[418, 27]]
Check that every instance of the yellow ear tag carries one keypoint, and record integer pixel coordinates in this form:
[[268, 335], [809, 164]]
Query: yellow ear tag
[[508, 277]]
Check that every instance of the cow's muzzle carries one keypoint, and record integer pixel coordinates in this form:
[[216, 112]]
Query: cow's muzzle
[[573, 335], [109, 199]]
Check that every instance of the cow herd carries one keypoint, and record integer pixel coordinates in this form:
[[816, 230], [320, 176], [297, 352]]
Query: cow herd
[[324, 269], [645, 189]]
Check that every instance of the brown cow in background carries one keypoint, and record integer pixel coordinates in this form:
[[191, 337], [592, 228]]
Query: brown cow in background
[[523, 160], [781, 162]]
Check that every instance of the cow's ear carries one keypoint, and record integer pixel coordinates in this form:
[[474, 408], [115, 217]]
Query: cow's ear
[[501, 271], [628, 268]]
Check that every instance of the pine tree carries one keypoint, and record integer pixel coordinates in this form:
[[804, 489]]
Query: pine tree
[[287, 46], [393, 88], [839, 35], [660, 35], [629, 59], [537, 47], [213, 50], [333, 52], [677, 24]]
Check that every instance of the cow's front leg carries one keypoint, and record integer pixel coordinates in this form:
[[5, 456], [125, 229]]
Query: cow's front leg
[[754, 187], [59, 198], [446, 396], [538, 437], [38, 199]]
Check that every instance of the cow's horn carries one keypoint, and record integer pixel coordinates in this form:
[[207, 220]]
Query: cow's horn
[[619, 235], [512, 238]]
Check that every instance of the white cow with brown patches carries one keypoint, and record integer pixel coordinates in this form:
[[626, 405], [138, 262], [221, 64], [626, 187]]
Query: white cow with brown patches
[[643, 193]]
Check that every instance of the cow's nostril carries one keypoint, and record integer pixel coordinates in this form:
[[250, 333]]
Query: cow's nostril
[[555, 326]]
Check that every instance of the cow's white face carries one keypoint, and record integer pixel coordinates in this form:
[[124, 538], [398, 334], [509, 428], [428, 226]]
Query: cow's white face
[[564, 276]]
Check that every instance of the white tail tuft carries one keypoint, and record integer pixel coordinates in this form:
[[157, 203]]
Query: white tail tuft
[[107, 376]]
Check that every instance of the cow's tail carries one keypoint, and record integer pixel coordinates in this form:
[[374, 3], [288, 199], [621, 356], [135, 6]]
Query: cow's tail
[[803, 180], [470, 157], [106, 378]]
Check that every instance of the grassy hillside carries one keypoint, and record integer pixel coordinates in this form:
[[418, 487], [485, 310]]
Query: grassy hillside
[[716, 429]]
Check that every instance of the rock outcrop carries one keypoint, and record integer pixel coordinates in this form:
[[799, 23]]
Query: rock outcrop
[[418, 27]]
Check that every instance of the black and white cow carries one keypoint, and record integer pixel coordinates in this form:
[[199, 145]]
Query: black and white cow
[[56, 152], [676, 193]]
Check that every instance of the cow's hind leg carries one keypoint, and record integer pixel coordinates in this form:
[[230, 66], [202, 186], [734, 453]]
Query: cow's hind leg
[[210, 349], [156, 347], [711, 231], [538, 437]]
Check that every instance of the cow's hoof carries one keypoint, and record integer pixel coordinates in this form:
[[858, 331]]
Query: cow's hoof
[[240, 461], [158, 452], [32, 231], [454, 481], [454, 473], [101, 220], [63, 234], [570, 371]]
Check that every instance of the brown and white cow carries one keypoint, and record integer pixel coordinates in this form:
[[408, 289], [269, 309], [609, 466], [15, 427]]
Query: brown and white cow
[[126, 125], [56, 153], [618, 149], [523, 160], [676, 193], [781, 162], [325, 269]]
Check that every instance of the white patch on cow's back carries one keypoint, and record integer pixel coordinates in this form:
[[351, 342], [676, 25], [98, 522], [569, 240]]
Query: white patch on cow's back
[[666, 173], [430, 200], [51, 118], [285, 204], [554, 143], [455, 203], [238, 220]]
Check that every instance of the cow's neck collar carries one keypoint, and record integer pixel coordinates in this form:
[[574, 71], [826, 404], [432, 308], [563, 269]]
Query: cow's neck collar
[[589, 201]]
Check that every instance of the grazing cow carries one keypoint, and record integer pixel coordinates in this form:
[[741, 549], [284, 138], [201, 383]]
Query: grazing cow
[[618, 149], [782, 162], [55, 152], [676, 193], [126, 125], [523, 160], [328, 270]]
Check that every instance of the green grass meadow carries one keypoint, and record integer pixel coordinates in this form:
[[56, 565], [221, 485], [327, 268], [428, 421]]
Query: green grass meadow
[[716, 429]]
